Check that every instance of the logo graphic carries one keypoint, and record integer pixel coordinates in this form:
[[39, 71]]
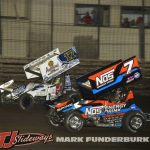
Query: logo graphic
[[10, 139], [136, 75], [105, 78], [129, 79], [70, 55], [101, 109], [7, 139], [51, 67], [50, 63]]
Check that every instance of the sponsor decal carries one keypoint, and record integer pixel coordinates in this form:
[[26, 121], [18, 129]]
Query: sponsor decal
[[19, 90], [105, 78], [70, 55], [130, 79], [42, 59], [50, 63], [11, 139], [51, 67], [100, 109], [64, 107], [133, 77], [137, 75], [58, 64], [34, 66]]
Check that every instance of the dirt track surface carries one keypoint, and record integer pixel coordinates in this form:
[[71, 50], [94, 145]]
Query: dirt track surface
[[35, 121]]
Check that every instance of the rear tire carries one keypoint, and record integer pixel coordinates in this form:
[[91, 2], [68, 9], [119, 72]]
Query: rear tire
[[53, 118], [26, 102], [133, 121], [74, 122]]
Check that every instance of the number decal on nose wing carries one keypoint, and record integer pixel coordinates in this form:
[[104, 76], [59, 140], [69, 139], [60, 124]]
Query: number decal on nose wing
[[129, 64]]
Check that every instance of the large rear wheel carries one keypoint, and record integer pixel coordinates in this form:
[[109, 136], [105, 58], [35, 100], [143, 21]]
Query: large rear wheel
[[26, 102]]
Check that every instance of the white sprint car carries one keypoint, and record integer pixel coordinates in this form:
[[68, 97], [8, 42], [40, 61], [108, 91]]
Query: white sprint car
[[48, 67]]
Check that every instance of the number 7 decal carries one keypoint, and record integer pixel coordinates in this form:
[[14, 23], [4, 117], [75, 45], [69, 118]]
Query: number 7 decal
[[129, 64]]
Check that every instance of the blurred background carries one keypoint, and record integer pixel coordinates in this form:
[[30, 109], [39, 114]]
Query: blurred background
[[101, 31]]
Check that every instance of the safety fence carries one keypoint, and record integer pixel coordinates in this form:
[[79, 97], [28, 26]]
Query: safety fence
[[13, 69], [99, 29]]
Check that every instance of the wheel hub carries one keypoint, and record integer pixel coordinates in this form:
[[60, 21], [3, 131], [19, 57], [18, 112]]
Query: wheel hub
[[75, 122], [136, 122]]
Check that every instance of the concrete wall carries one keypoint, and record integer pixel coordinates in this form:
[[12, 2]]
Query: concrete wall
[[14, 37], [14, 31], [147, 45], [116, 43], [32, 37], [13, 8]]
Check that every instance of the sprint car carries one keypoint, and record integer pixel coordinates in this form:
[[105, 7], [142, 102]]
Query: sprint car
[[106, 100], [52, 69], [27, 95]]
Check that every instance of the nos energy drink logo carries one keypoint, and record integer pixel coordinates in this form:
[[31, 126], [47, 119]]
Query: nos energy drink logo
[[105, 78], [101, 109]]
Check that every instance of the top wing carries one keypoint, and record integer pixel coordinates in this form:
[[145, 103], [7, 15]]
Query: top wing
[[116, 74], [32, 70], [52, 64]]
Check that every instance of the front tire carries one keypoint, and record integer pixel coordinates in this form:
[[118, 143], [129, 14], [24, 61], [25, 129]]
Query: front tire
[[4, 100], [73, 122], [133, 121]]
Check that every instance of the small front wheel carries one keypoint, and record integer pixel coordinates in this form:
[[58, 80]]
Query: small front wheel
[[73, 122], [53, 118], [5, 98]]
